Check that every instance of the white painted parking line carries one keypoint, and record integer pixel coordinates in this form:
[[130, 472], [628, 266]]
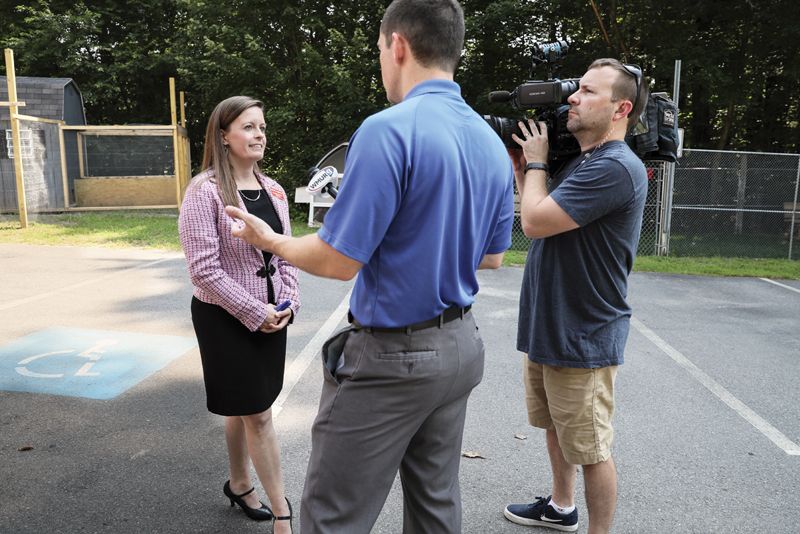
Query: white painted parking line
[[772, 433], [309, 352], [91, 281], [784, 286]]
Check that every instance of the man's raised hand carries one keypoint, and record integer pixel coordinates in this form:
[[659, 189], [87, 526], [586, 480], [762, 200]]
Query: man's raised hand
[[252, 229]]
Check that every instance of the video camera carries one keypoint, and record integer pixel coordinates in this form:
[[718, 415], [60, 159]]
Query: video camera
[[655, 137], [547, 97]]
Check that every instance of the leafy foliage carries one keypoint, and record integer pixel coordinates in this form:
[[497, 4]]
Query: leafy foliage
[[314, 63]]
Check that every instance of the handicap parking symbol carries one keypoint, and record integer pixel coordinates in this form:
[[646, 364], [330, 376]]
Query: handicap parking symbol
[[96, 364]]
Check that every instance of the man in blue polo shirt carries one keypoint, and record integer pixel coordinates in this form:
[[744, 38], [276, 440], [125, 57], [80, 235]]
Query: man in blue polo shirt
[[426, 200]]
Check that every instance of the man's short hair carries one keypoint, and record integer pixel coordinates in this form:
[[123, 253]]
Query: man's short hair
[[625, 86], [434, 30]]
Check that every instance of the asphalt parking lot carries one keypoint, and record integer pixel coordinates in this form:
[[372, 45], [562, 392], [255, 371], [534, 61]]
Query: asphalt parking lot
[[103, 426]]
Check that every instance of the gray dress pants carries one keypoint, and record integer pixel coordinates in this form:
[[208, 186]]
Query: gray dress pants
[[396, 402]]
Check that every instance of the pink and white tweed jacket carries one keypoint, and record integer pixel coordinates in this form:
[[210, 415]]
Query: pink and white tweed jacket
[[223, 268]]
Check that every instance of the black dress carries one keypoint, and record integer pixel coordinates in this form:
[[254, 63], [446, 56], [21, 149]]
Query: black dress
[[242, 370]]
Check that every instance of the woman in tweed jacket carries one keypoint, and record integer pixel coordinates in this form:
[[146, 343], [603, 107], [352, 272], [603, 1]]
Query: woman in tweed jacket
[[241, 334]]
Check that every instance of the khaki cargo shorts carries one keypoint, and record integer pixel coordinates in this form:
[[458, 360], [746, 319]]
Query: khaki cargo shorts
[[578, 402]]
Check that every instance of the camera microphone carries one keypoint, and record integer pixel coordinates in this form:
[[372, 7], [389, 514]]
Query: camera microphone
[[322, 181], [500, 96]]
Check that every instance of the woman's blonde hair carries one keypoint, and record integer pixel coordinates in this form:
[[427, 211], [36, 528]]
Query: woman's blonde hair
[[215, 153]]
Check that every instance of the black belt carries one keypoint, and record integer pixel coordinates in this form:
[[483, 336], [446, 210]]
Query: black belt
[[450, 314]]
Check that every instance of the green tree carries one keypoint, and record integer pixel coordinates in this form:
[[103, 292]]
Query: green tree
[[314, 63], [115, 51]]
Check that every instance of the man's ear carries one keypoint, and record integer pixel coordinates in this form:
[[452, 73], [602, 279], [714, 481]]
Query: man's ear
[[400, 48], [624, 109]]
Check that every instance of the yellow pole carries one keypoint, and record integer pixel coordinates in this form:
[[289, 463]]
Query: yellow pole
[[172, 101], [183, 114], [185, 163], [64, 179], [175, 149], [184, 170], [15, 139], [81, 169]]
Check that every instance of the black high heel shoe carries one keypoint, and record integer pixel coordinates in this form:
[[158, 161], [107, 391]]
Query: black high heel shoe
[[284, 517], [256, 514]]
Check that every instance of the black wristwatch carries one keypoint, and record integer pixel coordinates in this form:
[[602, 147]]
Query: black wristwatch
[[536, 166]]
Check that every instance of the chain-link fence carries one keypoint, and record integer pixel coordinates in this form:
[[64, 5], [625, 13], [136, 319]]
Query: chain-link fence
[[729, 204], [652, 221], [736, 204]]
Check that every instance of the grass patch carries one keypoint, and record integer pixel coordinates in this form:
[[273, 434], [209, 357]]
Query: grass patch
[[301, 228], [716, 266], [148, 229], [159, 229], [707, 266], [515, 257], [729, 245]]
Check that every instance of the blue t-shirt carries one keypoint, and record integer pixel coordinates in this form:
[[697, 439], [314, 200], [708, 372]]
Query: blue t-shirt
[[427, 192], [573, 308]]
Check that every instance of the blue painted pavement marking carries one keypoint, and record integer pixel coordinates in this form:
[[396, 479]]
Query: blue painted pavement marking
[[96, 364]]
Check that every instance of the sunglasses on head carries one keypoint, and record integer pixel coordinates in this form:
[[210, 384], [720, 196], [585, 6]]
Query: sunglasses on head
[[636, 72]]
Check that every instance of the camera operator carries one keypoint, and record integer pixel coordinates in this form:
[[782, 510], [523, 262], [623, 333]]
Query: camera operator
[[426, 199], [573, 316]]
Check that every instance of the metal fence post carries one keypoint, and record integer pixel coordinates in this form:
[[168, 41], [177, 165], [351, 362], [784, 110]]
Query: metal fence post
[[666, 201], [741, 191], [794, 209], [669, 178], [658, 174]]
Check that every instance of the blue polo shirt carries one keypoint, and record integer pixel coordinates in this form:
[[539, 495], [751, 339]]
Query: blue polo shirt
[[427, 192]]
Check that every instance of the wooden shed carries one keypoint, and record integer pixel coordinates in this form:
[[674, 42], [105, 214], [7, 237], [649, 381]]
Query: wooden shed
[[49, 100]]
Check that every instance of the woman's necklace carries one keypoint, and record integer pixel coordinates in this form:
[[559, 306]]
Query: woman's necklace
[[248, 198]]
